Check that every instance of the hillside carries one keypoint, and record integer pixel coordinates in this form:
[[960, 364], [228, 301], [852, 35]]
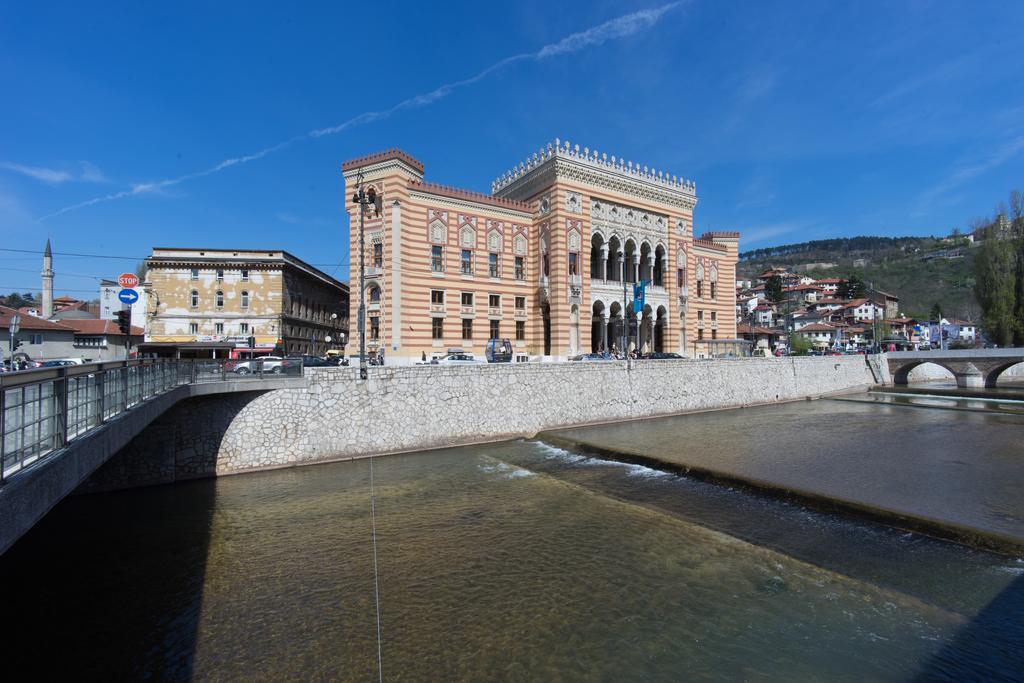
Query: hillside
[[922, 271]]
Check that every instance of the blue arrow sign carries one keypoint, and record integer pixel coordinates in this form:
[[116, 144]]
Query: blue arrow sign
[[128, 296]]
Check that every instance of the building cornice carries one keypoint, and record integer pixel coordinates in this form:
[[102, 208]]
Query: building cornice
[[562, 161], [376, 158], [433, 195]]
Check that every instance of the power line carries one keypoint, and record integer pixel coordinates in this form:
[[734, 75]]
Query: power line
[[23, 288], [68, 253], [57, 272], [126, 258]]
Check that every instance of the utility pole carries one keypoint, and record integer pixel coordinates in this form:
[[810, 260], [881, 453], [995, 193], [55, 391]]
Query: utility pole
[[364, 199]]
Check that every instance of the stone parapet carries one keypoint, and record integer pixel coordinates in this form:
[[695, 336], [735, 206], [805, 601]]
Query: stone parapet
[[420, 407]]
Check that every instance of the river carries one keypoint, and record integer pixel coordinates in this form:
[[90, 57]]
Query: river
[[510, 561]]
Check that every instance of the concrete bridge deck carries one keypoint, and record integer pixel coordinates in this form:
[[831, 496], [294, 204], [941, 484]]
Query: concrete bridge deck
[[972, 368], [58, 426]]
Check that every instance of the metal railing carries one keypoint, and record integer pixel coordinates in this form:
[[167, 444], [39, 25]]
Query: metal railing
[[42, 410]]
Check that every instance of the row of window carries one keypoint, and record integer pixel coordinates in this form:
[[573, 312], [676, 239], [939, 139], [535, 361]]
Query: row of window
[[700, 290], [218, 328], [437, 329], [244, 273], [437, 297], [466, 265], [700, 318], [218, 299]]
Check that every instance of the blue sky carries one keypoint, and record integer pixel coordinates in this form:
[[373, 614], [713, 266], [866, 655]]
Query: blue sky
[[132, 125]]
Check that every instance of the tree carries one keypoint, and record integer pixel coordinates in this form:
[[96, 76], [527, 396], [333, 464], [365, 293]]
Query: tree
[[853, 288], [936, 313], [798, 344], [999, 275], [140, 270], [773, 289]]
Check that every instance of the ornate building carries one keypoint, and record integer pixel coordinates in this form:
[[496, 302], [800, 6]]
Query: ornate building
[[547, 260]]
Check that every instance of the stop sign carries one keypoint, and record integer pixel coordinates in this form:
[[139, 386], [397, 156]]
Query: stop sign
[[128, 280]]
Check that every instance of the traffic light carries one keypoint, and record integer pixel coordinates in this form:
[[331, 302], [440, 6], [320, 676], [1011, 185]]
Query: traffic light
[[252, 342], [124, 321]]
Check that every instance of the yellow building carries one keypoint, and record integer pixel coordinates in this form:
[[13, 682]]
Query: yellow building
[[541, 261], [204, 302]]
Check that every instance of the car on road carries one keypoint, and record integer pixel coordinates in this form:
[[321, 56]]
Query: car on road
[[457, 359], [662, 355], [267, 364], [58, 363]]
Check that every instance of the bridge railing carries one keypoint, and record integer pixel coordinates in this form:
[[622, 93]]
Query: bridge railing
[[42, 410]]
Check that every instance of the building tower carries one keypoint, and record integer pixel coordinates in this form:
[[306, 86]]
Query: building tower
[[47, 306]]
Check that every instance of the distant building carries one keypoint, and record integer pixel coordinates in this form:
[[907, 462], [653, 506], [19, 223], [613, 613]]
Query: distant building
[[37, 338], [206, 302], [100, 340], [110, 304]]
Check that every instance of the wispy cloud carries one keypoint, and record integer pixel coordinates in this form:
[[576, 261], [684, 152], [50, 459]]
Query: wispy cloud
[[614, 29], [966, 171], [47, 175], [940, 75], [91, 173], [53, 176], [290, 219]]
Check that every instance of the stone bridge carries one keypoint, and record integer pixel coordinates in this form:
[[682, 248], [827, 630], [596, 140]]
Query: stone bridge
[[972, 368], [59, 425]]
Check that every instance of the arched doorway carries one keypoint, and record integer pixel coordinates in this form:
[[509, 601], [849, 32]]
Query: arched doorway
[[659, 330], [615, 327], [660, 258], [598, 329], [628, 262], [645, 261], [614, 259], [598, 249]]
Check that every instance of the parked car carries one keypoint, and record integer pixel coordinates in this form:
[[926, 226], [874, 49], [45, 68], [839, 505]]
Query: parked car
[[311, 361], [457, 359], [662, 355], [57, 363], [595, 357], [271, 364]]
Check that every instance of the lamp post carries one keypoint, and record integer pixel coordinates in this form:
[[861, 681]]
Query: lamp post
[[364, 199]]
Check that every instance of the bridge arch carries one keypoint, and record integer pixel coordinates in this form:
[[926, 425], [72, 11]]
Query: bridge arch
[[901, 376], [992, 376]]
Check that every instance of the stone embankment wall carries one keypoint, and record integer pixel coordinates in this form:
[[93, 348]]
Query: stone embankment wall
[[411, 408]]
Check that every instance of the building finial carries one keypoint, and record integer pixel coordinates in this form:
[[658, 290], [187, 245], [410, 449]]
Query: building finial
[[48, 251]]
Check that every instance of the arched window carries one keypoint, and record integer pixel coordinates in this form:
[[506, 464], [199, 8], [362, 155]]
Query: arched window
[[220, 299], [245, 299], [194, 299], [375, 295]]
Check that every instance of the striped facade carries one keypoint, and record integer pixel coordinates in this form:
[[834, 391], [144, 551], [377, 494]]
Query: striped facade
[[541, 261]]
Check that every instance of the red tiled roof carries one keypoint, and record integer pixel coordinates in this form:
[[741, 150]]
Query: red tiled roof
[[29, 322], [817, 327], [95, 327]]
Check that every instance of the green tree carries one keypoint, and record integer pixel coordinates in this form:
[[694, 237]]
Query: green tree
[[798, 344], [995, 274], [853, 288], [773, 289], [936, 313]]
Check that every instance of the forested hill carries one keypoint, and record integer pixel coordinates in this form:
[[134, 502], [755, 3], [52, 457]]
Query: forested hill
[[922, 271]]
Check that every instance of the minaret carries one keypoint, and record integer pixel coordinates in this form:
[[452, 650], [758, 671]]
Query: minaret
[[47, 308]]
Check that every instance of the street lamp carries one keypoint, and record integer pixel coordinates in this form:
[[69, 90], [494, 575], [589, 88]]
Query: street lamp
[[364, 199]]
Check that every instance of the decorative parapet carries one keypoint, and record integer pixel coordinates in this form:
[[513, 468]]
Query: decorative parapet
[[386, 155], [708, 244], [468, 195], [721, 235], [597, 160]]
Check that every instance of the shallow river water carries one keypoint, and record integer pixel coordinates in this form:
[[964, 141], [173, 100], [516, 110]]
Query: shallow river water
[[509, 561]]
